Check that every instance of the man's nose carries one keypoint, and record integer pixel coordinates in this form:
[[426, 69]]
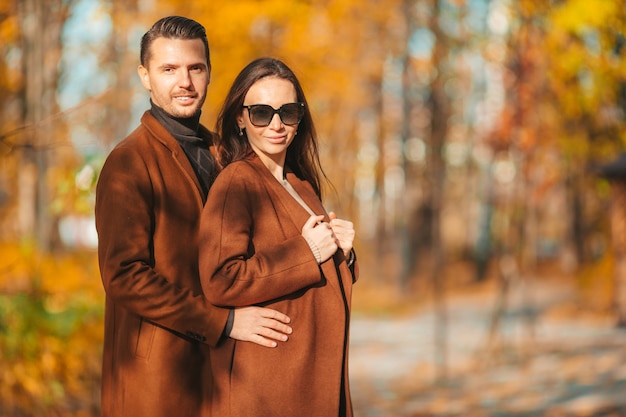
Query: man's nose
[[185, 78]]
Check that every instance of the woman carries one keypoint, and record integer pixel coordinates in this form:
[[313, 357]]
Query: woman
[[266, 239]]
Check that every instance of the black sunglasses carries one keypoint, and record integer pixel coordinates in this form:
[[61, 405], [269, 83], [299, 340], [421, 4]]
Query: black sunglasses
[[262, 114]]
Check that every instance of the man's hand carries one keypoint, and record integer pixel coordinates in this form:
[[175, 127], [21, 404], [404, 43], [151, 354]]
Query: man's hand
[[259, 325]]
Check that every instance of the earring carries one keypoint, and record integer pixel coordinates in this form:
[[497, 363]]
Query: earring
[[241, 131]]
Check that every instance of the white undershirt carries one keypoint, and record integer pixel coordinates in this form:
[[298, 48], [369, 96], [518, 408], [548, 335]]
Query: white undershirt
[[295, 195]]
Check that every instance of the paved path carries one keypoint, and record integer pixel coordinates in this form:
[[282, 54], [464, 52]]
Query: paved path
[[556, 367]]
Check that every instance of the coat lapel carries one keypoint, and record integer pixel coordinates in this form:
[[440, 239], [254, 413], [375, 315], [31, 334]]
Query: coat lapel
[[178, 154], [291, 211], [339, 267]]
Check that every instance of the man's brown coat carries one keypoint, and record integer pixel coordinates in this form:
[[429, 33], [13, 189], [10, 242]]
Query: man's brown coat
[[158, 325]]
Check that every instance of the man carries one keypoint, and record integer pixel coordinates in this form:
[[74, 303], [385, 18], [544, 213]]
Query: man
[[158, 326]]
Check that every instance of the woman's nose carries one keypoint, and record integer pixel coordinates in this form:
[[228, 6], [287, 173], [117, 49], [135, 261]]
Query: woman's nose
[[276, 122]]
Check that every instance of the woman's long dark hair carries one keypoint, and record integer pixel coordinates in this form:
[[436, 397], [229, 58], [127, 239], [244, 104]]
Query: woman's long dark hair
[[302, 153]]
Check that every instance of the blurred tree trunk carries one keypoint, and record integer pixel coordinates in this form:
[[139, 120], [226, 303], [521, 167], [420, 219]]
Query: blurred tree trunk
[[124, 57], [10, 118], [436, 171], [618, 234], [425, 218], [41, 23], [409, 251]]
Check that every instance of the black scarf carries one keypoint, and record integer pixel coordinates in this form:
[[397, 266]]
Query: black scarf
[[185, 131]]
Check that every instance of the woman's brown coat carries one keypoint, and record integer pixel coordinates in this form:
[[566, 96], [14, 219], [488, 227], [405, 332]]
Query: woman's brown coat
[[158, 325], [252, 252]]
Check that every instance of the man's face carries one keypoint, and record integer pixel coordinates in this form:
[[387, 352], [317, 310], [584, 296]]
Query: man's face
[[177, 75]]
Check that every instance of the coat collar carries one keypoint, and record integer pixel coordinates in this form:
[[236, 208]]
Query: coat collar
[[294, 214], [295, 211], [161, 134]]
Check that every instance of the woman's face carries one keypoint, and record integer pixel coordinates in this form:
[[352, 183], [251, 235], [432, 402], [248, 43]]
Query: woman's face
[[270, 142]]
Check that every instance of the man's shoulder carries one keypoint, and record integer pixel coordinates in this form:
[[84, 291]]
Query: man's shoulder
[[134, 147], [139, 137], [144, 136]]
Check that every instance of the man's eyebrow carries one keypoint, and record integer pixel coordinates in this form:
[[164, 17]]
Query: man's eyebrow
[[167, 64], [173, 65]]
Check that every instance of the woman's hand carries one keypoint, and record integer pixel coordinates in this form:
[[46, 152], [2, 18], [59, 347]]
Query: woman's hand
[[344, 232], [320, 237]]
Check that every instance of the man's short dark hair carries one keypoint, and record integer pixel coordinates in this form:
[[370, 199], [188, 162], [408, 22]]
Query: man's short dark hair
[[173, 27]]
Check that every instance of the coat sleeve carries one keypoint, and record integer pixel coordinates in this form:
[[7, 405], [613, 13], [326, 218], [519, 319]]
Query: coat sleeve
[[233, 271], [125, 221]]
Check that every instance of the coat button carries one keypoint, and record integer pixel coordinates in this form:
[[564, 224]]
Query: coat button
[[196, 336]]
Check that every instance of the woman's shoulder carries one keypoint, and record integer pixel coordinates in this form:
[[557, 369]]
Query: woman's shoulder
[[238, 173], [238, 168]]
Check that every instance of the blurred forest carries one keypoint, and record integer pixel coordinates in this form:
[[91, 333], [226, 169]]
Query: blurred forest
[[465, 139]]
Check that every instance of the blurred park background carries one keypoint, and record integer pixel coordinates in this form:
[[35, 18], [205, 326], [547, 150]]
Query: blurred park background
[[475, 144]]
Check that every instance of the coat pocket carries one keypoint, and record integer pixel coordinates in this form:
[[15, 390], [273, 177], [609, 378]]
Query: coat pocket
[[145, 338]]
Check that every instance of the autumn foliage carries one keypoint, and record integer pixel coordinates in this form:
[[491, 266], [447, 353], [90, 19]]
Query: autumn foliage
[[51, 316], [452, 131]]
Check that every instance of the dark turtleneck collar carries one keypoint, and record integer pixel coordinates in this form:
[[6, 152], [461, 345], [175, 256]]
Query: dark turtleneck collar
[[186, 133], [183, 129]]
